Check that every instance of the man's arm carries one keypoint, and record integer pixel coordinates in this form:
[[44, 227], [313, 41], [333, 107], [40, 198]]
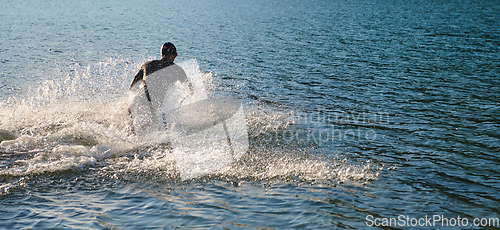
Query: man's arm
[[138, 77], [184, 79]]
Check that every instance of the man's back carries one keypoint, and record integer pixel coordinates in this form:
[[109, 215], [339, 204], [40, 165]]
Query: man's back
[[157, 82]]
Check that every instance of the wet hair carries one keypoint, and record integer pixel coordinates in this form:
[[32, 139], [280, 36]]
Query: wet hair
[[168, 49]]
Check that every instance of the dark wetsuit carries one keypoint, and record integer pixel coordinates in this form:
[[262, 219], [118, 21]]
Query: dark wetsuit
[[173, 74], [153, 66]]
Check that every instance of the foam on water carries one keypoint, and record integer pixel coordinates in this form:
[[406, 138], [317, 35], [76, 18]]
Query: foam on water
[[79, 119], [68, 121]]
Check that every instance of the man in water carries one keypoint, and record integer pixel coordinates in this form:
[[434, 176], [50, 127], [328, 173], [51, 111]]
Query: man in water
[[163, 74], [168, 55]]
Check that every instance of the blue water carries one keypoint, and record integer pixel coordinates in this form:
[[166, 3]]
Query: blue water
[[356, 110]]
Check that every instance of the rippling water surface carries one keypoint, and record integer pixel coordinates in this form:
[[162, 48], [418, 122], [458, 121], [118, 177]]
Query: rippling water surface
[[356, 110]]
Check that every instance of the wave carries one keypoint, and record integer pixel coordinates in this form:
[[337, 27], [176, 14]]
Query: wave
[[81, 120]]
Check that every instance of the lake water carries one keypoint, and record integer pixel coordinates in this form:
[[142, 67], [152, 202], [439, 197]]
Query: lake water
[[359, 113]]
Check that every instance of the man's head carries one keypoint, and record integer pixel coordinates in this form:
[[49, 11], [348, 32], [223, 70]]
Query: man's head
[[168, 50]]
